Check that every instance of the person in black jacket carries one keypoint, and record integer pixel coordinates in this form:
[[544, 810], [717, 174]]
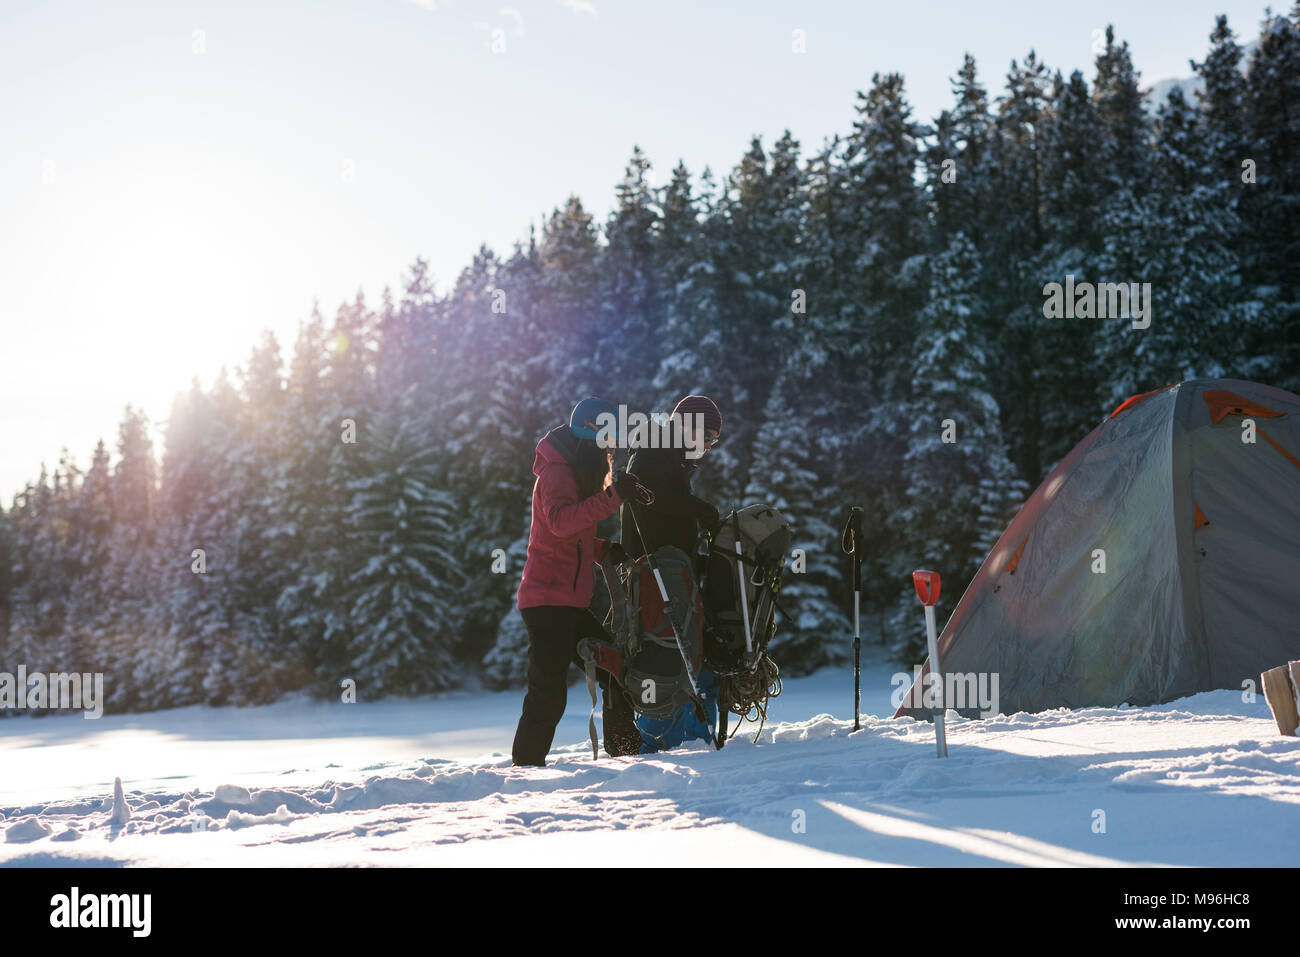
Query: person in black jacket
[[674, 518], [676, 515]]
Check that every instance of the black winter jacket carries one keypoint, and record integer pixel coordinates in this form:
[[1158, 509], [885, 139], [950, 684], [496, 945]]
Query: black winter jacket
[[673, 518]]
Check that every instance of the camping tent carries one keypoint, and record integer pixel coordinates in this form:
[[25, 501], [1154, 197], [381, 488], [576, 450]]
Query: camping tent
[[1160, 558]]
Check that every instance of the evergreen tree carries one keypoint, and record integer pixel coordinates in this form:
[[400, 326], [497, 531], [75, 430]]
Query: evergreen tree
[[692, 336], [631, 296], [1273, 213], [567, 298], [191, 562], [125, 632], [1015, 264], [881, 221], [965, 135], [310, 510], [960, 486], [1072, 191], [1222, 101], [785, 477], [506, 663], [1181, 245], [1123, 121], [403, 584]]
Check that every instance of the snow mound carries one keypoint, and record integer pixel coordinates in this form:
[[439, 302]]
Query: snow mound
[[280, 815], [1092, 787], [25, 830]]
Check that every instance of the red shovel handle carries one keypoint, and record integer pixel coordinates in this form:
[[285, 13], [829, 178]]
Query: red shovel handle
[[927, 586]]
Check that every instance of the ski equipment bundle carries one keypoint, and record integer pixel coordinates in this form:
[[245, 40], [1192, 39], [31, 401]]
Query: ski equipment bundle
[[657, 619], [744, 561]]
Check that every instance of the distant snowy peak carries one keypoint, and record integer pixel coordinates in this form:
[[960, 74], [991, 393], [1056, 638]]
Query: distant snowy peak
[[1159, 92], [1191, 85]]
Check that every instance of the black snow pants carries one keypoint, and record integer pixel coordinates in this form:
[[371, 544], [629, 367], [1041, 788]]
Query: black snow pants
[[553, 635]]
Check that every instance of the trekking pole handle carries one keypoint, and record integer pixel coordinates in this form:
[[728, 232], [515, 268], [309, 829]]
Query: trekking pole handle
[[852, 531]]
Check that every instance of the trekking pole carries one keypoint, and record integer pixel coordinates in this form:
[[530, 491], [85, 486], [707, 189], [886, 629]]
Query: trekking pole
[[668, 613], [744, 597], [927, 589], [849, 543], [702, 551]]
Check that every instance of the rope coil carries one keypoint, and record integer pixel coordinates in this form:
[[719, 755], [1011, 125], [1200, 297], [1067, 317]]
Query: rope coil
[[746, 695]]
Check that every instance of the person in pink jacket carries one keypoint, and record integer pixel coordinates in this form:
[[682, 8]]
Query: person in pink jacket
[[575, 489]]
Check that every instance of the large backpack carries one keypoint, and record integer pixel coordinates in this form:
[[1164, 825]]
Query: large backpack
[[645, 658], [740, 589], [764, 536]]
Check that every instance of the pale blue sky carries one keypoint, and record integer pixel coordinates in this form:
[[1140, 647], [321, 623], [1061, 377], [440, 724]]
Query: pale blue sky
[[160, 206]]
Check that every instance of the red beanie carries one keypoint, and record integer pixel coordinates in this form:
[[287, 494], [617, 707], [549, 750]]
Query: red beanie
[[697, 404]]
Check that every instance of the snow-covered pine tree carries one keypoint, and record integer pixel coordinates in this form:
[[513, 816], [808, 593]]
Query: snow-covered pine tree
[[89, 527], [1125, 129], [404, 582], [1012, 254], [764, 263], [567, 296], [44, 587], [22, 643], [1272, 216], [194, 660], [1223, 105], [486, 410], [698, 352], [875, 213], [960, 192], [310, 508], [880, 217], [124, 632], [1062, 352], [629, 281], [1071, 166], [506, 663], [262, 548], [956, 455], [785, 477], [692, 331], [346, 400]]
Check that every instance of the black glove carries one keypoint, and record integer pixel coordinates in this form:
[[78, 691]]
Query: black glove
[[709, 518], [616, 553], [630, 489]]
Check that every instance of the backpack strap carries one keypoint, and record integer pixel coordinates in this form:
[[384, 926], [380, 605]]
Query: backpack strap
[[686, 622], [749, 557], [591, 718], [598, 654]]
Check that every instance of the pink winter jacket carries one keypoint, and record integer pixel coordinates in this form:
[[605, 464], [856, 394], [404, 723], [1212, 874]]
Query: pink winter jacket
[[562, 543]]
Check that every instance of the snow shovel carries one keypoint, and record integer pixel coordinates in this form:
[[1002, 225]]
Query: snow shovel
[[927, 589]]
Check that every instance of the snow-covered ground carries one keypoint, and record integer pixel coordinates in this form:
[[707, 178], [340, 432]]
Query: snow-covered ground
[[1202, 781]]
